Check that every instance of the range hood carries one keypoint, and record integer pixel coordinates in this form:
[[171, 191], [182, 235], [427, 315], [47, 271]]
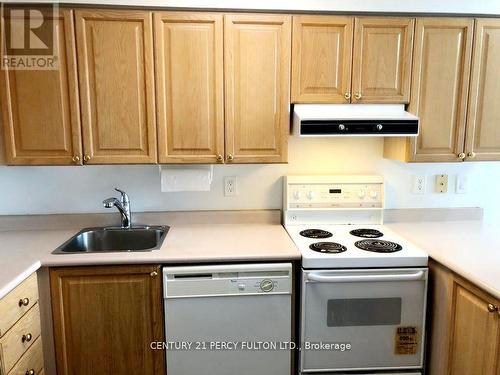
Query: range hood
[[328, 120]]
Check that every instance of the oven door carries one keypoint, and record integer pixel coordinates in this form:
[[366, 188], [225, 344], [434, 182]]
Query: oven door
[[366, 319]]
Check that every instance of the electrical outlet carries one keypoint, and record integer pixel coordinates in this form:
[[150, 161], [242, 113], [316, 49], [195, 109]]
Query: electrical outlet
[[230, 186], [462, 184], [419, 184], [441, 183]]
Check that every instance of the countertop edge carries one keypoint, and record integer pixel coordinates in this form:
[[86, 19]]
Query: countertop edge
[[471, 278], [10, 286]]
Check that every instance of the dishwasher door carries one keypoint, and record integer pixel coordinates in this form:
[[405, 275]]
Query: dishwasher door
[[227, 320]]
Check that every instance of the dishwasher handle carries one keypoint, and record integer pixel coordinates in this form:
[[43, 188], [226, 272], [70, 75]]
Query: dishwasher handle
[[364, 278]]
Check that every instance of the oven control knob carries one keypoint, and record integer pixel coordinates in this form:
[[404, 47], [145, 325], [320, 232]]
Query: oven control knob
[[380, 127], [267, 285], [310, 194], [296, 195], [361, 193], [341, 127], [373, 194]]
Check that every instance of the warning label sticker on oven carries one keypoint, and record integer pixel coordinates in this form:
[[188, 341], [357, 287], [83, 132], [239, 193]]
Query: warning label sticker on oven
[[406, 341]]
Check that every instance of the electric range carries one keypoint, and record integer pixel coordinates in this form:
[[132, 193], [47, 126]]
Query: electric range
[[364, 288]]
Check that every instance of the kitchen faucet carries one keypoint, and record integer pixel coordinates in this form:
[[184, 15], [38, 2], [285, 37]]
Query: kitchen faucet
[[123, 205]]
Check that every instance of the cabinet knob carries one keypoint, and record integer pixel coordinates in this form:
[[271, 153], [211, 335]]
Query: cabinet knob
[[76, 159], [30, 372], [24, 302], [471, 155], [230, 157], [347, 95], [220, 158], [86, 158], [358, 96], [461, 155], [27, 337], [154, 274], [492, 307]]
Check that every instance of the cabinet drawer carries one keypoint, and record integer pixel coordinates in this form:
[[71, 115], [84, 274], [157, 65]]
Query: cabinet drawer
[[19, 338], [31, 360], [15, 304]]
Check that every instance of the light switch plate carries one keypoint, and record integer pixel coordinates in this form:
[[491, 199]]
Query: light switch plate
[[441, 183], [419, 184], [462, 184]]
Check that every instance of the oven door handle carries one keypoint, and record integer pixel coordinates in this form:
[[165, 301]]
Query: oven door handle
[[360, 278]]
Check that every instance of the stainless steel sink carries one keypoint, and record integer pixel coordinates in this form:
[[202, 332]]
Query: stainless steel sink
[[111, 239]]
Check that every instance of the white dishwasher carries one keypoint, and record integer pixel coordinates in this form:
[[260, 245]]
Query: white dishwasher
[[228, 319]]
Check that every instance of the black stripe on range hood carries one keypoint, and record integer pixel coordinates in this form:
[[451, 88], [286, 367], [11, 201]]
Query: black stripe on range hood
[[370, 120], [359, 127]]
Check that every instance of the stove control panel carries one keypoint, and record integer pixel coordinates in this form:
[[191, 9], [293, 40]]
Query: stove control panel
[[334, 195]]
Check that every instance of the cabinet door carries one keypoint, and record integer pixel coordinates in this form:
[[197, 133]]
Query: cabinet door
[[115, 63], [190, 90], [483, 124], [382, 60], [322, 59], [475, 334], [41, 119], [257, 81], [441, 69], [105, 319]]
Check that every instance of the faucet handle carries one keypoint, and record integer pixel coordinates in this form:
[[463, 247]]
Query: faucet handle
[[125, 197]]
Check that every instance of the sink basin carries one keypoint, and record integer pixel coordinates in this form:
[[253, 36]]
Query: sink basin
[[111, 239]]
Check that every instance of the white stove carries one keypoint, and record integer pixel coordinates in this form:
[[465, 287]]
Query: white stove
[[362, 284], [326, 256], [335, 206]]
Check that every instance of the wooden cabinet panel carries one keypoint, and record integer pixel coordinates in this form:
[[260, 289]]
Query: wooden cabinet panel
[[15, 304], [16, 341], [464, 326], [105, 319], [115, 63], [483, 125], [190, 89], [322, 56], [41, 119], [32, 360], [382, 60], [257, 81], [441, 70], [475, 334]]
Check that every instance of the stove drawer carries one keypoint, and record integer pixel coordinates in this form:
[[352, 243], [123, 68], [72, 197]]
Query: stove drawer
[[364, 319]]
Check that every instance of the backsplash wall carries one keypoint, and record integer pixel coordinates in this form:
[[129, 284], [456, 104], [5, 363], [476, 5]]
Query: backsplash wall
[[40, 190]]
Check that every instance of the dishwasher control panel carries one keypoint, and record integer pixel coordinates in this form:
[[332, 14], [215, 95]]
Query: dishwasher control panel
[[227, 280]]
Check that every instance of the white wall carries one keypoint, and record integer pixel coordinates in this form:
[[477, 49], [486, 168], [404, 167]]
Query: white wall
[[412, 6], [25, 190]]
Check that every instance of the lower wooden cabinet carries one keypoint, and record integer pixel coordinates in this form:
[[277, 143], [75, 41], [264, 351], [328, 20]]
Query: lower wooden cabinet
[[20, 340], [464, 327], [105, 319]]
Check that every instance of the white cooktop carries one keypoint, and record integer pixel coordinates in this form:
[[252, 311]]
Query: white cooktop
[[353, 257]]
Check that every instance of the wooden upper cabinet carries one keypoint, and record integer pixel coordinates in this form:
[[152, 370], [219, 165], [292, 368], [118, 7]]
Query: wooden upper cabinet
[[441, 70], [257, 81], [475, 339], [382, 60], [115, 63], [483, 124], [189, 86], [321, 61], [41, 119], [105, 319]]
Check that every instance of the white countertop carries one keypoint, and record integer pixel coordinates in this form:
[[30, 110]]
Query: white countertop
[[23, 252], [469, 248]]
